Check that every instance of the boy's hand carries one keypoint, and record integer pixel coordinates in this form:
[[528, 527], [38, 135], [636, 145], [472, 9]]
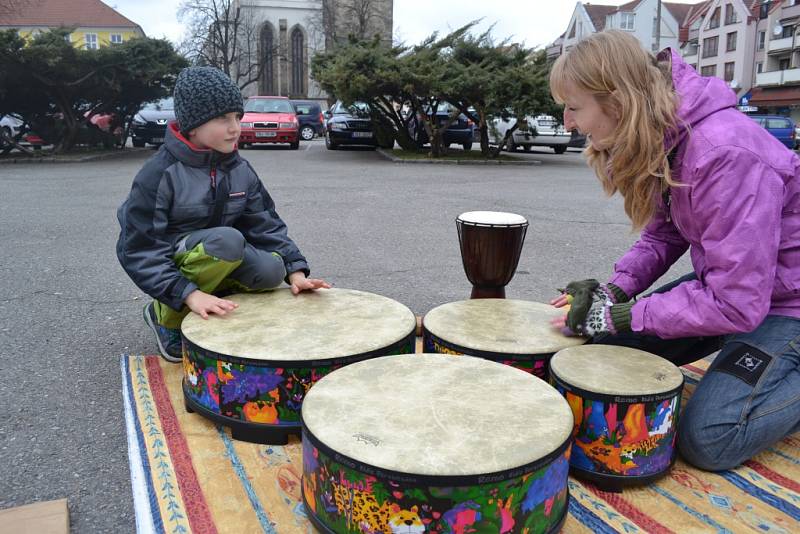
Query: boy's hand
[[202, 304], [299, 282]]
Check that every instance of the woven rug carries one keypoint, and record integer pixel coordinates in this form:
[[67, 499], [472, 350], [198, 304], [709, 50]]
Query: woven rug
[[188, 475]]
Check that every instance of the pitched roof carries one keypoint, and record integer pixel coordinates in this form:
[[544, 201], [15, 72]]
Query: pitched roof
[[598, 14], [54, 13], [679, 11]]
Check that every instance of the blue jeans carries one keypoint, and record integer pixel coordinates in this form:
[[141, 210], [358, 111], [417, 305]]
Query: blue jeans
[[749, 398]]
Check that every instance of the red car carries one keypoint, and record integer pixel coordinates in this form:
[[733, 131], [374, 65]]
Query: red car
[[269, 119]]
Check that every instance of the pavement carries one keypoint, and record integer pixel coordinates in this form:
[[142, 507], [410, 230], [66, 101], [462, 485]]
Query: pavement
[[68, 310]]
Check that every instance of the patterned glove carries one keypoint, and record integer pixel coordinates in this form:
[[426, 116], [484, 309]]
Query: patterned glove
[[584, 293], [603, 317]]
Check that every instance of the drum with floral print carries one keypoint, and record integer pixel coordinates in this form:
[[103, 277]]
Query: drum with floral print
[[625, 406], [513, 332], [250, 369], [435, 444]]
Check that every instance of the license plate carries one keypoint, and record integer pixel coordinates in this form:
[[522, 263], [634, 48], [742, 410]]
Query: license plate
[[157, 140], [362, 134], [266, 134]]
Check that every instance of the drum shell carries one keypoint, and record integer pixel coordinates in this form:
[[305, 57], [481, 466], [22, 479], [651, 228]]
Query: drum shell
[[535, 364], [621, 440], [490, 254], [256, 393], [338, 493]]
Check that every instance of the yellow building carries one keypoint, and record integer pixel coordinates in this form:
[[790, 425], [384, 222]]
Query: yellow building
[[94, 23]]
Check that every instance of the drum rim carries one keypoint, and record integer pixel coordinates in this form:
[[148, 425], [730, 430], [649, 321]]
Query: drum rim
[[469, 302], [488, 354], [621, 398], [409, 338], [524, 223], [433, 480]]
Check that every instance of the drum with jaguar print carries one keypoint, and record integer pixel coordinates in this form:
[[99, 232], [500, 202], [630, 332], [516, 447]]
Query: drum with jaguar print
[[250, 369], [431, 443], [625, 405], [513, 332]]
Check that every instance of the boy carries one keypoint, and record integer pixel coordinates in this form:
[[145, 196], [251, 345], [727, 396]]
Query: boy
[[198, 220]]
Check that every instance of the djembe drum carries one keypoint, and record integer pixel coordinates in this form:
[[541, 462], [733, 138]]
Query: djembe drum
[[625, 404], [513, 332], [250, 369], [422, 443], [491, 244]]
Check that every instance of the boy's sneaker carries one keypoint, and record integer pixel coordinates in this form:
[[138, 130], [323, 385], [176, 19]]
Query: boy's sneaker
[[168, 339]]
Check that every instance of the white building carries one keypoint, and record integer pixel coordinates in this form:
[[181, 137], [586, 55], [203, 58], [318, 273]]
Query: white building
[[639, 17]]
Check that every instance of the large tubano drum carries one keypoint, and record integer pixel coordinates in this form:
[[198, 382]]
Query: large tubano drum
[[625, 405], [513, 332], [432, 443], [251, 369]]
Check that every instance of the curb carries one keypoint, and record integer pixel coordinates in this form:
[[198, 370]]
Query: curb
[[394, 159], [118, 154]]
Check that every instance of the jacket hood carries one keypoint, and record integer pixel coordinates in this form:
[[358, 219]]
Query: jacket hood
[[699, 97], [186, 152]]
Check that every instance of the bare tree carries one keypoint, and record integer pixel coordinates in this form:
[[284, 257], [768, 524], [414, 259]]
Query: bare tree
[[339, 20], [222, 34], [12, 7]]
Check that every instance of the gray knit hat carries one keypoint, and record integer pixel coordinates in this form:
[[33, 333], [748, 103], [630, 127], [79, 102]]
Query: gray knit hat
[[202, 93]]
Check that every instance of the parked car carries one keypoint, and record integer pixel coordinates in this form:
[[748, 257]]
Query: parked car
[[349, 125], [461, 132], [796, 136], [309, 116], [149, 125], [269, 119], [12, 126], [542, 130], [783, 128]]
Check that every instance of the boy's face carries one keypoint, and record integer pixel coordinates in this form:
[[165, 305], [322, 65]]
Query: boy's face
[[220, 133]]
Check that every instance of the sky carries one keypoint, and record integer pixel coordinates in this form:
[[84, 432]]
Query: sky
[[534, 22]]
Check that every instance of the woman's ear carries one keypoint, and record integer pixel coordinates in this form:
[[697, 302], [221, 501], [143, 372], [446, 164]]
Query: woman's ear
[[615, 105]]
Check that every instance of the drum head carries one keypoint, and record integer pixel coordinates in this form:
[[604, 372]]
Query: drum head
[[613, 370], [323, 324], [492, 218], [504, 326], [437, 415]]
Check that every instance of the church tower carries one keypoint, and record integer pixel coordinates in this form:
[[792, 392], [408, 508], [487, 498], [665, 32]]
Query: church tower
[[290, 32]]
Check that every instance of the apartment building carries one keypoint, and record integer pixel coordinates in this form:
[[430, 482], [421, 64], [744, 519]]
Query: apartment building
[[776, 87], [719, 40], [93, 23]]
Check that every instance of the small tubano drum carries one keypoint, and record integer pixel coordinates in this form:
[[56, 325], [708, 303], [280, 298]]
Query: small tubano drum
[[251, 369], [625, 404], [491, 244], [431, 443], [513, 332]]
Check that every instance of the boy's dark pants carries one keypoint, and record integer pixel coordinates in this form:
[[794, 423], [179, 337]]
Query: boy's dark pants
[[748, 399], [219, 259]]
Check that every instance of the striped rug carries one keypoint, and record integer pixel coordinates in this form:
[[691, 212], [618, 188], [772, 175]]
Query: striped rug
[[189, 476]]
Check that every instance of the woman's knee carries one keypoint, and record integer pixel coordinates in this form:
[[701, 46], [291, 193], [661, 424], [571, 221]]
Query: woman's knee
[[225, 243], [710, 445]]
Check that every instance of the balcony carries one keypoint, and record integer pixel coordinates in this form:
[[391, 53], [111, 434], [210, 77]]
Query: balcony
[[691, 60], [777, 45], [790, 12], [778, 77]]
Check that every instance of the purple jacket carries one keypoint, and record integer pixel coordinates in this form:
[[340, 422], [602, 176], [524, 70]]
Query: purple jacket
[[738, 210]]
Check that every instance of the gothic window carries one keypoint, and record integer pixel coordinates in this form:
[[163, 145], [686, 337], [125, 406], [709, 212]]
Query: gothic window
[[267, 56], [298, 63]]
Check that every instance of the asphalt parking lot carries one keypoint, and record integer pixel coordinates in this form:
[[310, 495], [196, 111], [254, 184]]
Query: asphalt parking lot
[[68, 311]]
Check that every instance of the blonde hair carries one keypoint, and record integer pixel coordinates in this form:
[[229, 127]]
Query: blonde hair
[[627, 82]]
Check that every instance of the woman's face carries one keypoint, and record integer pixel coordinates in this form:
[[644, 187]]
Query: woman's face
[[582, 111]]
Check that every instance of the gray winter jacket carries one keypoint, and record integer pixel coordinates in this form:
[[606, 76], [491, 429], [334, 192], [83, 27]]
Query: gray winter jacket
[[173, 195]]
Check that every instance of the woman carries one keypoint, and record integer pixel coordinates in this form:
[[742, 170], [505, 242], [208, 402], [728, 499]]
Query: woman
[[695, 174]]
